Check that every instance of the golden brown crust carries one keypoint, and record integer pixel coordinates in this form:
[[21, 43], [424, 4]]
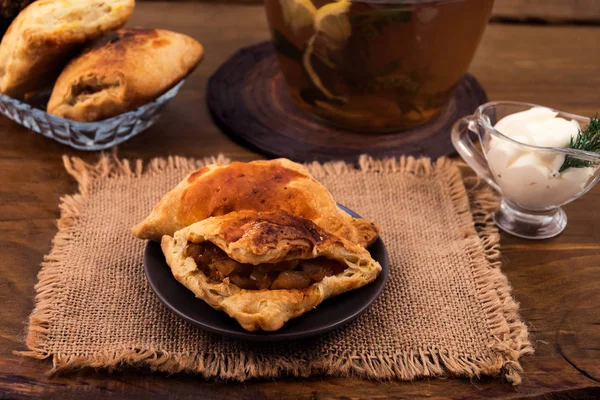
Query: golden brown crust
[[122, 71], [43, 37], [268, 237], [259, 186]]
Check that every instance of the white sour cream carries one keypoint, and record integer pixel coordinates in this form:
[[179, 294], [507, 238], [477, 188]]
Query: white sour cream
[[531, 177]]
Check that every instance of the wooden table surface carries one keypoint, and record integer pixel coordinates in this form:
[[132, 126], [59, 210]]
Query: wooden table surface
[[548, 11], [556, 281]]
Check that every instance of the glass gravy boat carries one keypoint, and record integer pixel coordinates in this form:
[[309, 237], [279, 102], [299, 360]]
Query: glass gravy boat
[[532, 180]]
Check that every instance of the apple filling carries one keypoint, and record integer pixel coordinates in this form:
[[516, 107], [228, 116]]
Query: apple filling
[[293, 274]]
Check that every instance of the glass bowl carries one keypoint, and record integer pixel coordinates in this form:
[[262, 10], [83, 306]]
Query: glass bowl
[[85, 135], [531, 191]]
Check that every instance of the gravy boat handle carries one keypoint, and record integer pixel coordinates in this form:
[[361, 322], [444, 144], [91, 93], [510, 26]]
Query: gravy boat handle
[[468, 150]]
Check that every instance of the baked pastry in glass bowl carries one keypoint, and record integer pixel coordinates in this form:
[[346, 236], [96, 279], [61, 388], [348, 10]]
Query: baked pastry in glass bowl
[[122, 71], [264, 268], [47, 34], [113, 90]]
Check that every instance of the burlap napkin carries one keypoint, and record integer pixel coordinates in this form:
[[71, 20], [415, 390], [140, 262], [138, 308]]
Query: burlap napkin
[[446, 309]]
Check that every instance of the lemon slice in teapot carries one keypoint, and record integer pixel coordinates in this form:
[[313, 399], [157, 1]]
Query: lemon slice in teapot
[[332, 31], [298, 14]]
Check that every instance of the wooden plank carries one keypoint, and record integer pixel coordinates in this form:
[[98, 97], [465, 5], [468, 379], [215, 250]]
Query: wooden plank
[[556, 280], [547, 11], [525, 11], [551, 11]]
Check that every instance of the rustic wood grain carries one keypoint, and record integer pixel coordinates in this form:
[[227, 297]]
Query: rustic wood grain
[[556, 281], [524, 11], [550, 11]]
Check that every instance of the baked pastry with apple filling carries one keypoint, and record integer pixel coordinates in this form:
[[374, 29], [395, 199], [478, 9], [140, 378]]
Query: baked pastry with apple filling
[[264, 268], [262, 186]]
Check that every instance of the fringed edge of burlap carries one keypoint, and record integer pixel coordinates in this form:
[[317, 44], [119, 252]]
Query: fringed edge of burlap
[[473, 204], [49, 277]]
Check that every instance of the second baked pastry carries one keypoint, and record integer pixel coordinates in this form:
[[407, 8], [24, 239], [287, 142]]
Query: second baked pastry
[[121, 72]]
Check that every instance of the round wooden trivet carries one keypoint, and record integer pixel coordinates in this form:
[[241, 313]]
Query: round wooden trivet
[[249, 99]]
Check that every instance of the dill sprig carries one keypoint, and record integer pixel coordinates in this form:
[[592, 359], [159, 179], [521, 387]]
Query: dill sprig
[[588, 140]]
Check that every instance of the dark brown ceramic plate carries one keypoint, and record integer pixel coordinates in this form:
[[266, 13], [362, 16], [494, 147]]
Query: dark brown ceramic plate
[[330, 314]]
